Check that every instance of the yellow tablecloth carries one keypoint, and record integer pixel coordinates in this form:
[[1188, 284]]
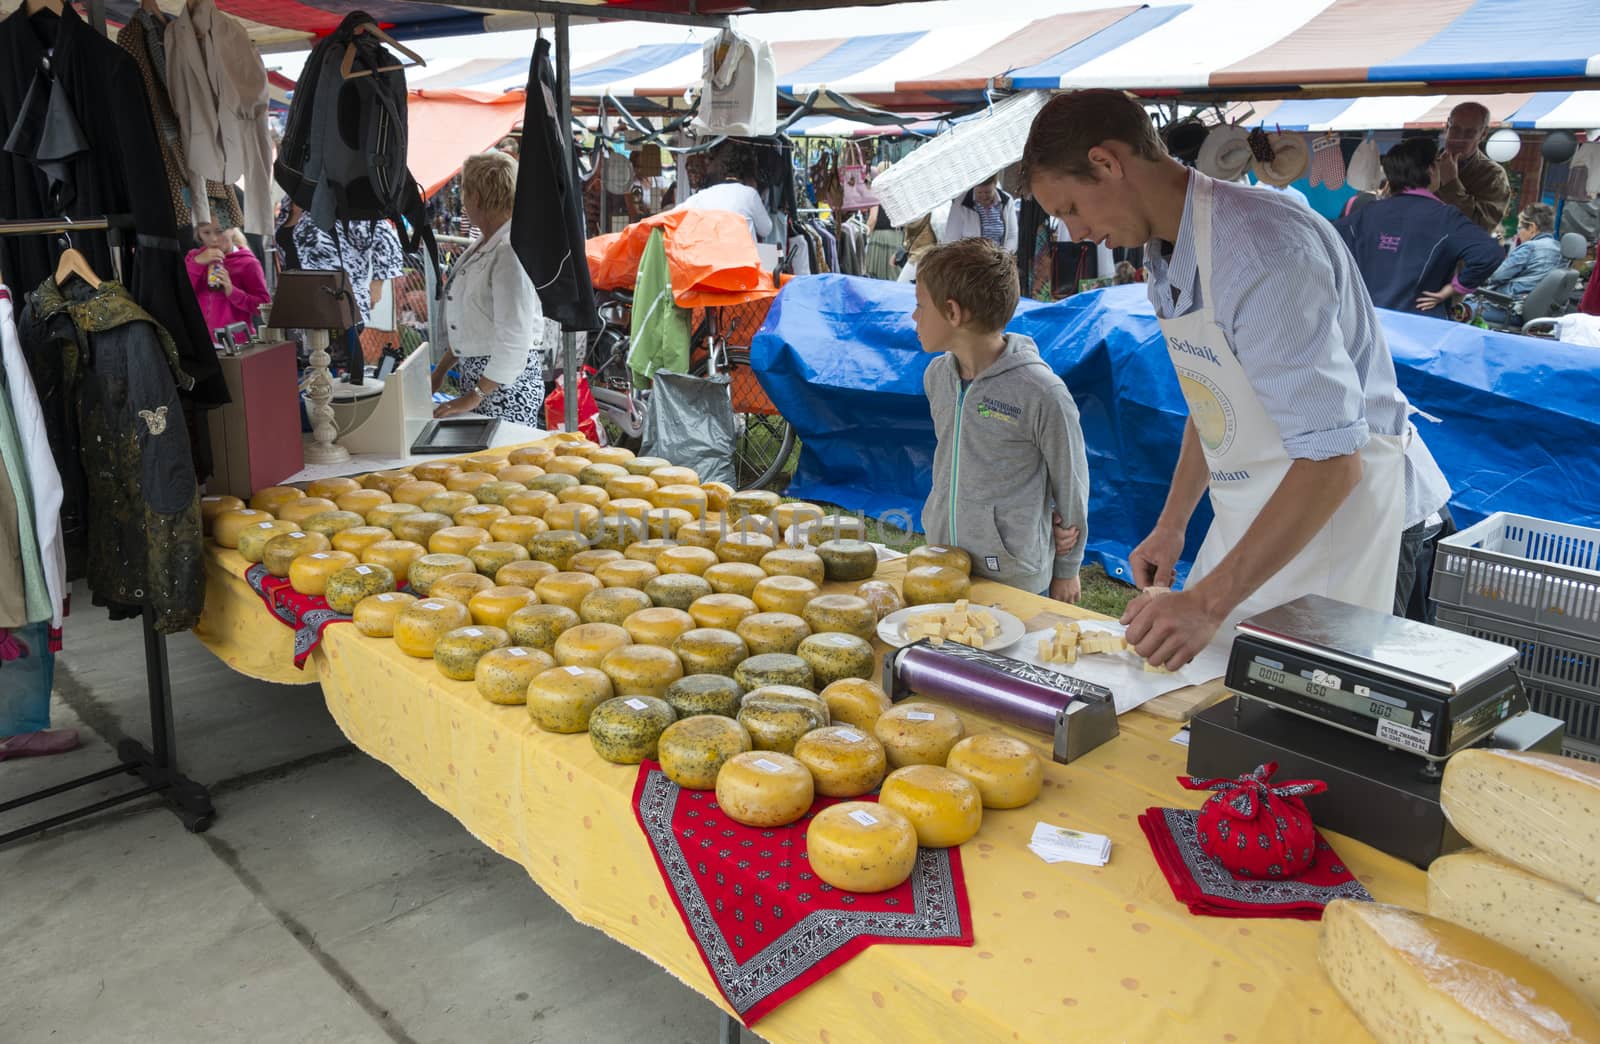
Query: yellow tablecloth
[[1062, 952]]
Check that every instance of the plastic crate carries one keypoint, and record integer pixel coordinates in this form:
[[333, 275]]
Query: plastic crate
[[1560, 672], [1522, 568]]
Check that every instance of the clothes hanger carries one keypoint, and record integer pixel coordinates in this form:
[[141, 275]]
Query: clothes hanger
[[346, 67], [73, 263]]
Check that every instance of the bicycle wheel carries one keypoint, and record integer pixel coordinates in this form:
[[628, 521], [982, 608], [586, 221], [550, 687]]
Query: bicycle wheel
[[765, 447]]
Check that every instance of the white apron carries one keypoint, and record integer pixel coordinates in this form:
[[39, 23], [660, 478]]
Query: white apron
[[1353, 558]]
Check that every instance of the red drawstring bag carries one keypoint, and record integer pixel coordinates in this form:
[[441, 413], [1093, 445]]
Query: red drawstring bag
[[1257, 828], [555, 408]]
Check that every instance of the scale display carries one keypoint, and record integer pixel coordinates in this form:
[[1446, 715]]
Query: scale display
[[1371, 704]]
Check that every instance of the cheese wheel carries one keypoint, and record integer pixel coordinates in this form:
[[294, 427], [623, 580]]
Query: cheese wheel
[[523, 574], [794, 513], [531, 502], [428, 569], [773, 669], [600, 475], [467, 481], [762, 788], [214, 504], [684, 497], [357, 539], [485, 463], [1409, 978], [848, 560], [459, 587], [883, 596], [692, 751], [227, 526], [494, 555], [612, 605], [658, 626], [449, 503], [424, 622], [634, 510], [253, 539], [481, 515], [717, 494], [695, 560], [566, 588], [664, 523], [721, 610], [931, 585], [436, 471], [1006, 771], [784, 594], [375, 615], [944, 807], [833, 655], [840, 612], [309, 574], [641, 670], [917, 733], [536, 455], [1539, 811], [678, 590], [794, 561], [673, 475], [346, 588], [457, 652], [645, 465], [618, 455], [457, 540], [385, 480], [386, 515], [856, 701], [758, 524], [396, 556], [566, 464], [592, 559], [593, 496], [303, 508], [630, 487], [562, 699], [330, 522], [517, 529], [745, 547], [738, 578], [861, 846], [557, 546], [587, 645], [283, 548], [844, 761], [522, 474], [415, 491], [751, 502], [648, 550], [499, 492], [538, 626], [272, 498], [773, 632], [702, 533], [833, 527], [704, 694], [362, 501], [615, 532], [710, 650], [548, 483], [493, 606], [420, 526], [626, 572], [1550, 925], [625, 730], [939, 555]]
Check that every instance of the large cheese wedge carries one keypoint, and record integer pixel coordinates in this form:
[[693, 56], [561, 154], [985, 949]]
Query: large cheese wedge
[[738, 578], [944, 806], [930, 585], [426, 570], [557, 546], [467, 481], [641, 670], [493, 606], [449, 503], [415, 491], [386, 515], [840, 612], [361, 501], [680, 559], [861, 846], [457, 652], [375, 615], [661, 625], [357, 539], [503, 675], [517, 529], [303, 508], [385, 480], [612, 605], [396, 556], [693, 751], [1414, 979], [704, 694], [833, 655], [420, 526], [460, 587], [251, 541], [883, 596], [568, 589], [721, 610], [939, 555], [346, 588], [1551, 925], [422, 623], [626, 730], [491, 556], [773, 632], [856, 701], [916, 733], [587, 645], [710, 650], [309, 574], [763, 788], [214, 504], [523, 574], [844, 760], [1006, 771], [678, 590], [282, 549], [784, 594], [794, 561], [538, 626], [1539, 811], [592, 559], [272, 498], [436, 471]]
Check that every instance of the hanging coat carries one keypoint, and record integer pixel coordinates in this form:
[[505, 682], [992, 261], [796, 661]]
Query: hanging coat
[[659, 339]]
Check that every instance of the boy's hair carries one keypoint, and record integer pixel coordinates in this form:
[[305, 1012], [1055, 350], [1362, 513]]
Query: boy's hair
[[1409, 164], [975, 274], [1071, 124]]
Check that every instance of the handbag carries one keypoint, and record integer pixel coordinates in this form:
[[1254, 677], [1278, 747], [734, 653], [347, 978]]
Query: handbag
[[855, 180], [825, 181]]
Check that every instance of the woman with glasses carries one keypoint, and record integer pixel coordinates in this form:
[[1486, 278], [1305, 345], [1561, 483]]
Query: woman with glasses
[[1536, 253]]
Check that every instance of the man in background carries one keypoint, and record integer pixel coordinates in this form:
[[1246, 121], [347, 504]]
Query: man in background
[[1468, 180]]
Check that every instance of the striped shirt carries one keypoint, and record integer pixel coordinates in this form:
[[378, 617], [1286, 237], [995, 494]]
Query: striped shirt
[[992, 222]]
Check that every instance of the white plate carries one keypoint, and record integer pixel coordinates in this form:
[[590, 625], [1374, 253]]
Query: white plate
[[892, 628]]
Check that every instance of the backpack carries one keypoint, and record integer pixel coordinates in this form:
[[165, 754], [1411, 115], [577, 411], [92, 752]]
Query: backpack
[[343, 156]]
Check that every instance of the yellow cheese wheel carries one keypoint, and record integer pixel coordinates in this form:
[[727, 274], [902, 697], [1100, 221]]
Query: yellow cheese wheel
[[939, 555], [574, 516], [795, 512], [763, 788], [692, 751], [704, 533], [503, 675], [710, 650], [834, 655], [308, 574], [612, 605], [681, 559], [617, 455], [395, 555], [645, 465], [664, 523], [484, 463], [566, 588], [648, 550], [420, 526], [917, 733], [566, 464], [631, 508], [214, 504], [426, 570], [557, 546], [302, 508], [773, 632], [459, 587], [626, 572], [745, 547], [331, 488], [457, 652], [415, 491], [252, 540], [517, 529], [491, 557], [227, 526], [457, 540], [592, 559], [794, 561], [272, 498], [661, 625], [385, 480], [717, 494], [523, 574], [615, 532], [944, 806], [467, 481], [386, 515], [375, 615], [481, 515], [840, 612], [856, 701], [861, 846], [346, 588], [594, 496], [625, 730], [844, 760], [672, 475], [784, 594], [752, 502], [600, 475], [738, 578], [538, 626], [436, 471], [536, 455], [562, 698], [283, 548], [721, 610], [330, 522], [1006, 771], [533, 502], [677, 495], [357, 539], [930, 585], [587, 645], [883, 596], [361, 501], [641, 670], [493, 606]]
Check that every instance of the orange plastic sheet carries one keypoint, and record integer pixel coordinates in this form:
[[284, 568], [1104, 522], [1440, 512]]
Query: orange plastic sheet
[[710, 254]]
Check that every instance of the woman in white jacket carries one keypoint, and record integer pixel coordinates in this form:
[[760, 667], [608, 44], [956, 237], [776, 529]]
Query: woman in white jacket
[[493, 324], [984, 210]]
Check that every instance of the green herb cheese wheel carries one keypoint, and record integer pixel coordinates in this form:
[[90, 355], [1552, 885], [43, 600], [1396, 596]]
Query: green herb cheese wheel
[[502, 675], [492, 556], [710, 650], [612, 532], [251, 540], [601, 475], [931, 585], [677, 590], [374, 615], [774, 726], [626, 730], [794, 561], [834, 656], [704, 694], [419, 526], [449, 502], [562, 699], [664, 523], [460, 587], [386, 515], [538, 626], [498, 492], [557, 546], [840, 612], [428, 568], [551, 483], [612, 605], [346, 588], [774, 669], [283, 548], [790, 696], [773, 632], [835, 527], [848, 560], [422, 623], [457, 652], [692, 751]]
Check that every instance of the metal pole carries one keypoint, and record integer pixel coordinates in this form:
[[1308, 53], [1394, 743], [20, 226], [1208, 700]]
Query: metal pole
[[569, 340], [601, 159]]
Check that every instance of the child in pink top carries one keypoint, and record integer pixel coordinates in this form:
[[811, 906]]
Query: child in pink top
[[227, 278]]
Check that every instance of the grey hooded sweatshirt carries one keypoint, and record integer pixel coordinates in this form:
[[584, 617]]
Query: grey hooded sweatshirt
[[1009, 448]]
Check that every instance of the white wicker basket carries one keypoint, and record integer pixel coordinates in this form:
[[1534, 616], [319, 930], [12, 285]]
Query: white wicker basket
[[958, 159]]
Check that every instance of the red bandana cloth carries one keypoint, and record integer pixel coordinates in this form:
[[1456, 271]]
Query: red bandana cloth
[[309, 615], [765, 925]]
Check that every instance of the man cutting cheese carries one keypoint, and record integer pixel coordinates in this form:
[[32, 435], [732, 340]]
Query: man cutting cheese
[[1295, 421]]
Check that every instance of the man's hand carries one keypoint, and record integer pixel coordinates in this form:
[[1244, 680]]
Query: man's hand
[[461, 404], [1449, 168], [1169, 630], [1428, 301], [1066, 536], [1066, 589], [1154, 560]]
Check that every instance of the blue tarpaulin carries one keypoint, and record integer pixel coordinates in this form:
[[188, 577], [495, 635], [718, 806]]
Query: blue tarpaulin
[[1519, 431]]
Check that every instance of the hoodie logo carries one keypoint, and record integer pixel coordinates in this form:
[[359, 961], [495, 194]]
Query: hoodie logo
[[1199, 351], [999, 410]]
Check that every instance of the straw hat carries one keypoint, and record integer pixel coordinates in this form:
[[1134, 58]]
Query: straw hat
[[1225, 155], [1291, 158]]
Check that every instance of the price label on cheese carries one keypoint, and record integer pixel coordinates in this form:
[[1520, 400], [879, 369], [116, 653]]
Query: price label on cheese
[[576, 672], [767, 766], [636, 704], [363, 569], [863, 817], [850, 735], [472, 632], [516, 650], [918, 716]]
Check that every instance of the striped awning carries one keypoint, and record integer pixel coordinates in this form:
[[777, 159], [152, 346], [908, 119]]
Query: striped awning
[[1547, 110]]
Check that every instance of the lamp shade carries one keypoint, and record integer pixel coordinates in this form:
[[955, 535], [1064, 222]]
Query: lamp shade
[[1503, 145], [1559, 145]]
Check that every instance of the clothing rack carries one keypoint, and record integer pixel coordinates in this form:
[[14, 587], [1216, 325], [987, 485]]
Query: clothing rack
[[156, 769]]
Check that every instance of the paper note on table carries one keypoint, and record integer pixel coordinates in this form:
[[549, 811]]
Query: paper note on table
[[1058, 844]]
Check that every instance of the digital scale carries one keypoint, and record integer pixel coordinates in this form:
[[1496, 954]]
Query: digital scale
[[1372, 703]]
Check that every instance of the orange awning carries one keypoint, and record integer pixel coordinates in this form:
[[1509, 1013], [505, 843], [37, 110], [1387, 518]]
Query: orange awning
[[447, 126]]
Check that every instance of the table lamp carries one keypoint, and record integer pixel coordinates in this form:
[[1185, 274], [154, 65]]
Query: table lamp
[[317, 302]]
